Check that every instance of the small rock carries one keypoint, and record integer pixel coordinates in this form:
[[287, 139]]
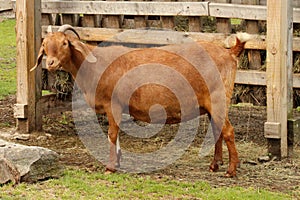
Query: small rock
[[48, 135], [264, 159], [23, 137], [42, 138], [2, 144], [251, 162]]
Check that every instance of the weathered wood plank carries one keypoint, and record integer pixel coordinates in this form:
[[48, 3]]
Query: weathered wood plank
[[252, 12], [254, 77], [279, 70], [195, 24], [28, 83], [144, 36], [251, 77], [127, 8], [272, 130], [253, 28], [51, 104], [91, 20], [223, 24], [161, 37]]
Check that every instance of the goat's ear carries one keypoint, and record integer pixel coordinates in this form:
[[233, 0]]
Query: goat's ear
[[84, 50], [39, 58]]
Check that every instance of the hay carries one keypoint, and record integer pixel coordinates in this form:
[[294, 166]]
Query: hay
[[44, 79], [296, 63], [296, 98], [63, 84], [209, 24], [243, 60], [181, 23], [255, 95]]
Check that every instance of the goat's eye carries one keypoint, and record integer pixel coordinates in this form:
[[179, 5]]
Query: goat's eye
[[65, 44]]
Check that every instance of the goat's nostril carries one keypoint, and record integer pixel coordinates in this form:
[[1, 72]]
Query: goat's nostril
[[51, 62]]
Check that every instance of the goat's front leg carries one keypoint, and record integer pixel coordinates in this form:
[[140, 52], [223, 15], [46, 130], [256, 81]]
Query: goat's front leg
[[119, 152], [113, 140]]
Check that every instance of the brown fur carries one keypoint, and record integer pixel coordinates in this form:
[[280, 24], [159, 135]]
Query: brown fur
[[98, 70]]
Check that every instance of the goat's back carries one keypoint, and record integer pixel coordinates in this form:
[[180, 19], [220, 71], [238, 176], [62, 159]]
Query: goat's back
[[173, 77]]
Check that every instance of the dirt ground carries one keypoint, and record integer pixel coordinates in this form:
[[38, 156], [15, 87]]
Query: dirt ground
[[59, 135]]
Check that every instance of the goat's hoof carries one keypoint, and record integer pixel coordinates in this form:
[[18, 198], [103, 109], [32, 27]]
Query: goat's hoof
[[109, 170], [238, 165], [214, 167], [230, 175]]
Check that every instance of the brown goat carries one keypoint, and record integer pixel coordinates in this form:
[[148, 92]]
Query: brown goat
[[208, 69]]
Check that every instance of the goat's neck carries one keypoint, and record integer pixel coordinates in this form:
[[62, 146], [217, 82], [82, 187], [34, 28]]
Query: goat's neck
[[84, 75], [77, 60]]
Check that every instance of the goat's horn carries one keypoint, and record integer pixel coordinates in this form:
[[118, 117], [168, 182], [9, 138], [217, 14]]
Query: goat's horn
[[67, 27]]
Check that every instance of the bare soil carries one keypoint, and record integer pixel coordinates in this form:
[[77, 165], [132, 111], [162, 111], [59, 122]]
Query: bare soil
[[59, 134]]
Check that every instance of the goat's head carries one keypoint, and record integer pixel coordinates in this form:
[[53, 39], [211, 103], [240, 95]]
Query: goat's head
[[58, 48]]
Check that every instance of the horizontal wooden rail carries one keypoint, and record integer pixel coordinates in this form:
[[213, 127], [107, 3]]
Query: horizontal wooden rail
[[252, 12], [126, 8], [162, 37], [254, 77], [156, 37], [226, 10], [51, 104], [222, 10]]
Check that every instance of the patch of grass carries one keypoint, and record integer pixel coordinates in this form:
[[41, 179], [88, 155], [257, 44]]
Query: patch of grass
[[235, 21], [7, 58], [78, 184]]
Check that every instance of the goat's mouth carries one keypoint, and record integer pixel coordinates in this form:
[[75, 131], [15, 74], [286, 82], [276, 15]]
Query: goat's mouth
[[54, 68]]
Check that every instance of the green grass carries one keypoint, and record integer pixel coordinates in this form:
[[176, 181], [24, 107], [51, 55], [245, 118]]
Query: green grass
[[235, 21], [78, 184], [7, 58]]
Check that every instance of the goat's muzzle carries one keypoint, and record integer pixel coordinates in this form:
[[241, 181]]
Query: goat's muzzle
[[52, 64]]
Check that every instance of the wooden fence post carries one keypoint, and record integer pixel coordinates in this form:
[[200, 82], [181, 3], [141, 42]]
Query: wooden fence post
[[252, 28], [223, 24], [195, 24], [111, 21], [279, 75], [28, 14], [167, 22]]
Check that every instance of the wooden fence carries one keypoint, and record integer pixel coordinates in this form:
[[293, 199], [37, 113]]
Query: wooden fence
[[104, 21], [123, 21]]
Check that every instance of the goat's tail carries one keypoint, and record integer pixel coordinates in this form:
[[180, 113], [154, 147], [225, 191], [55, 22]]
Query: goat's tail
[[241, 39]]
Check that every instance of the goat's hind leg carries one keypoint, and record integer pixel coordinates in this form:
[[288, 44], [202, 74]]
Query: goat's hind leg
[[218, 156], [228, 135]]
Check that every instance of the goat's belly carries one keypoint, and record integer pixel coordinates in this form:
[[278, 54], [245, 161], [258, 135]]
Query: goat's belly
[[157, 104], [161, 116]]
